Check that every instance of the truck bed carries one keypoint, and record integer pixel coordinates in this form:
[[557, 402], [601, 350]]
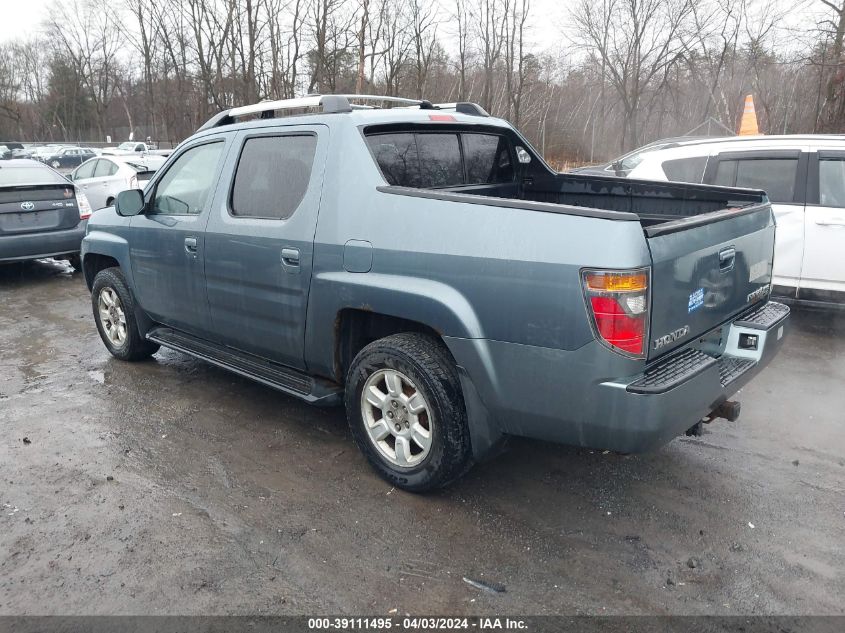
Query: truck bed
[[654, 203]]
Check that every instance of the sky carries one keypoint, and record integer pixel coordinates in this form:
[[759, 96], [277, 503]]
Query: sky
[[22, 18], [19, 18]]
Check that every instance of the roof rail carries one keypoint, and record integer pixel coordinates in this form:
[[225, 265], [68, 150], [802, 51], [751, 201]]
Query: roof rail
[[463, 107], [330, 104]]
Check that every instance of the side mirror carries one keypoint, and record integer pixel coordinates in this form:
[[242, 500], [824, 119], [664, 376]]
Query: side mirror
[[130, 202], [617, 167]]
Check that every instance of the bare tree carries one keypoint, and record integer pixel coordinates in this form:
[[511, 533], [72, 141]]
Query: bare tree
[[640, 42], [490, 31], [424, 21]]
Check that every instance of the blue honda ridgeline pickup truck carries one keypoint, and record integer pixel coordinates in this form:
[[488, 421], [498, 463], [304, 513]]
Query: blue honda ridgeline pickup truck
[[423, 265]]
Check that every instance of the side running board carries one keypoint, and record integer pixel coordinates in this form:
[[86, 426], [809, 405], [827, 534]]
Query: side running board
[[291, 381]]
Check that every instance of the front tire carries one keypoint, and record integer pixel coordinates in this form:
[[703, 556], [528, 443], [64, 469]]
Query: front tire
[[114, 313], [406, 411]]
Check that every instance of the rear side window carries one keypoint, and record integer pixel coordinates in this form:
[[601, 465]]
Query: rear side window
[[86, 170], [775, 176], [832, 182], [685, 169], [272, 176], [105, 168], [442, 159]]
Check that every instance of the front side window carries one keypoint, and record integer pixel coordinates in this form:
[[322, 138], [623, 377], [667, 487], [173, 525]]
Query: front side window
[[775, 176], [832, 182], [272, 176], [188, 183]]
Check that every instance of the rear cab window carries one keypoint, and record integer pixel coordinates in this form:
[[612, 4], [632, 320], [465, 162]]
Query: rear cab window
[[442, 158]]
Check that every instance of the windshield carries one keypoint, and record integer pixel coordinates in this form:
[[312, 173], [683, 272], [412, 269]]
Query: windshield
[[629, 161], [129, 145]]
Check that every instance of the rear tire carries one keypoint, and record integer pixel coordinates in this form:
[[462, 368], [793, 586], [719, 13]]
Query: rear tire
[[55, 164], [114, 313], [424, 444]]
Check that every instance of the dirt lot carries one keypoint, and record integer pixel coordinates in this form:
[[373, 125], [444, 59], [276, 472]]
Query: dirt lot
[[171, 486]]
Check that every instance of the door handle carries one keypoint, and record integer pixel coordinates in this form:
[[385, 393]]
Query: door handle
[[290, 258], [191, 245], [727, 257]]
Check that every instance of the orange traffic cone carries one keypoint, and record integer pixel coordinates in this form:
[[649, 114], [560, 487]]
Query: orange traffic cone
[[748, 124]]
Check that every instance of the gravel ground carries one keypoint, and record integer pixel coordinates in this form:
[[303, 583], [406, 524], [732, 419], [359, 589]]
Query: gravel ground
[[173, 487]]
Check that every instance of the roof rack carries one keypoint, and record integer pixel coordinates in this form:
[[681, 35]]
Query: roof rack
[[331, 104]]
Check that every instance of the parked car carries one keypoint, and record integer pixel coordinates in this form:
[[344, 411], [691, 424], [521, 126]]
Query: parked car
[[129, 147], [132, 148], [623, 165], [101, 179], [67, 157], [41, 214], [426, 267], [40, 152], [11, 149], [804, 177]]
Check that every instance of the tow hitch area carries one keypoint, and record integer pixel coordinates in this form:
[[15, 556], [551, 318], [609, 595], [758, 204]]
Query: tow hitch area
[[729, 410]]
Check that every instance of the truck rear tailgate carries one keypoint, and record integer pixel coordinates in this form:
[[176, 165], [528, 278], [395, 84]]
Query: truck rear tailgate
[[706, 270]]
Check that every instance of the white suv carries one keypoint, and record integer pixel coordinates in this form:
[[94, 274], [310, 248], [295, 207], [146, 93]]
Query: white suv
[[804, 177]]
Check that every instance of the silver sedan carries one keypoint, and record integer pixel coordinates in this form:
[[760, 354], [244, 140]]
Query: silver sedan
[[102, 178]]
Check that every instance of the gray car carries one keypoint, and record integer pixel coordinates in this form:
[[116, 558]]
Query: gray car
[[423, 266], [41, 213]]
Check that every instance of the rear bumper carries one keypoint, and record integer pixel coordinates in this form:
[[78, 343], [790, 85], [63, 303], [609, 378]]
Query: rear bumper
[[572, 397], [37, 245]]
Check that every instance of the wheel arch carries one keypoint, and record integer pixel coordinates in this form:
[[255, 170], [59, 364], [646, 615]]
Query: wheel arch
[[355, 328], [101, 250], [94, 263], [344, 305]]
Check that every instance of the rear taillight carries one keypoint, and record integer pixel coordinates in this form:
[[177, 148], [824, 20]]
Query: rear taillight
[[617, 301], [83, 205]]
